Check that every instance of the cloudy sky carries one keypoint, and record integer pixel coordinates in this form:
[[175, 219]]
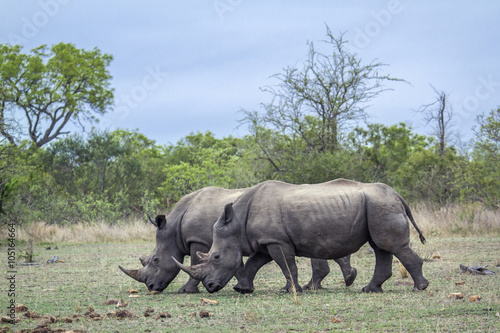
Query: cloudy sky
[[187, 66]]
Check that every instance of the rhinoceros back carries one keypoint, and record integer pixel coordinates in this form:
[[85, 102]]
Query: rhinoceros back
[[203, 211]]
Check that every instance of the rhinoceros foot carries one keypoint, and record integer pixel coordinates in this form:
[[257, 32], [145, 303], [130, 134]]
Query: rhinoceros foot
[[421, 284], [372, 289], [188, 290], [288, 289], [312, 286], [243, 290], [349, 279]]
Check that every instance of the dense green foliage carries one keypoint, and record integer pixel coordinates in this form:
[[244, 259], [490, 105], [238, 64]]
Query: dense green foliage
[[112, 175], [50, 87], [310, 132]]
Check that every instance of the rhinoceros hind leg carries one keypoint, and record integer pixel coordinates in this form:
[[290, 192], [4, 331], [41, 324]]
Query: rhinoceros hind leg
[[320, 270], [383, 270], [413, 264], [349, 277], [348, 271]]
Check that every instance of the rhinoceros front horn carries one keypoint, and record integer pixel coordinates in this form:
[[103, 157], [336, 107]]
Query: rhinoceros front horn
[[190, 270], [133, 273]]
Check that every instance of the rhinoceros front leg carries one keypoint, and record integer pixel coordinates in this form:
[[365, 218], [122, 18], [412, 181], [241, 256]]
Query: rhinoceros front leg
[[191, 287], [285, 258], [246, 276]]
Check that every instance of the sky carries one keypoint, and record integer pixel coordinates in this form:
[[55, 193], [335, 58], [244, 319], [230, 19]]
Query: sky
[[187, 66]]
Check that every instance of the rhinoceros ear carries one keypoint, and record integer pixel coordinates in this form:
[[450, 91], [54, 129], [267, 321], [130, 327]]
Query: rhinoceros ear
[[228, 213], [153, 222], [161, 221]]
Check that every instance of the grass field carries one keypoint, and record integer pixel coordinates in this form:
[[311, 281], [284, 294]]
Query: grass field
[[89, 276]]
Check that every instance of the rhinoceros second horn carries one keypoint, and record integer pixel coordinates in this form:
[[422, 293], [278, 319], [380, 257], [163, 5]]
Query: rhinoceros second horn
[[188, 269]]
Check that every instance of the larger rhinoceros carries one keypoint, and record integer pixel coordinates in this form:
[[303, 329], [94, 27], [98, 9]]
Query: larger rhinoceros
[[325, 221], [188, 229]]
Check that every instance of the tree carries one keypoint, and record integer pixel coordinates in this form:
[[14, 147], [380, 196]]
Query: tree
[[315, 102], [200, 160], [118, 171], [479, 174], [384, 149], [439, 113], [50, 87], [488, 136], [6, 154]]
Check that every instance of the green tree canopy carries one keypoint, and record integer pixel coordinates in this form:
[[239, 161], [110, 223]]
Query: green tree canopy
[[200, 160], [50, 87], [479, 174]]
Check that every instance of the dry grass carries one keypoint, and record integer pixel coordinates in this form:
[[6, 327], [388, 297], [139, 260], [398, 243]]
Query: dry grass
[[100, 232], [462, 220], [451, 220], [89, 276], [402, 271]]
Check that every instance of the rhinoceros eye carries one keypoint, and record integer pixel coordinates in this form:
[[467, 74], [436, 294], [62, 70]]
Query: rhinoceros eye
[[154, 259], [216, 256]]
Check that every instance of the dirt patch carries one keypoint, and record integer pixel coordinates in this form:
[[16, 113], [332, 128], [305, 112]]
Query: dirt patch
[[148, 312], [90, 313], [122, 314], [46, 329], [163, 315]]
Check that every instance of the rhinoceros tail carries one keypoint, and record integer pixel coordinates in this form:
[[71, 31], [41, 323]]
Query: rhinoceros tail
[[410, 216]]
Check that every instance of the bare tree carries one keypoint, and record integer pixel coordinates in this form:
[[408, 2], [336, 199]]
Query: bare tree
[[315, 102], [439, 114]]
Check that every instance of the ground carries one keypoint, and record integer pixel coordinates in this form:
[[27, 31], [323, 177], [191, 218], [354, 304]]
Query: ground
[[64, 293]]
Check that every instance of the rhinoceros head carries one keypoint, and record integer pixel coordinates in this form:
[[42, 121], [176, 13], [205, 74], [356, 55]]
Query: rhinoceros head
[[224, 259], [158, 269]]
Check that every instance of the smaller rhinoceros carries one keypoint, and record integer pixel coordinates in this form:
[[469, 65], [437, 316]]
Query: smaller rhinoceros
[[325, 221], [188, 230]]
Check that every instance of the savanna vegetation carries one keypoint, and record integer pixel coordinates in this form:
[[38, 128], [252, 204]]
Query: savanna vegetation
[[76, 294], [314, 129], [97, 187]]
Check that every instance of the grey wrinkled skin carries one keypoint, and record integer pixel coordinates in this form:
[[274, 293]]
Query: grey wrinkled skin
[[323, 221], [188, 230]]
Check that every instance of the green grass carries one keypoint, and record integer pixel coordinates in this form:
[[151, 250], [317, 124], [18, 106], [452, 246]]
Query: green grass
[[89, 276]]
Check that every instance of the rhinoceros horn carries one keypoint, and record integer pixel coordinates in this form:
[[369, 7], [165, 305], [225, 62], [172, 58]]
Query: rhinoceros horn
[[144, 259], [133, 273], [202, 256], [191, 270]]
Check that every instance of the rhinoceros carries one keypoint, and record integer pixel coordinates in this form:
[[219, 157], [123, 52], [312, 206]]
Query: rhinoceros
[[188, 229], [325, 221]]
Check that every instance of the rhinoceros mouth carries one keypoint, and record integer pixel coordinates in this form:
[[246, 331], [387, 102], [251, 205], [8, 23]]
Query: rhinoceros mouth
[[212, 286], [156, 289]]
